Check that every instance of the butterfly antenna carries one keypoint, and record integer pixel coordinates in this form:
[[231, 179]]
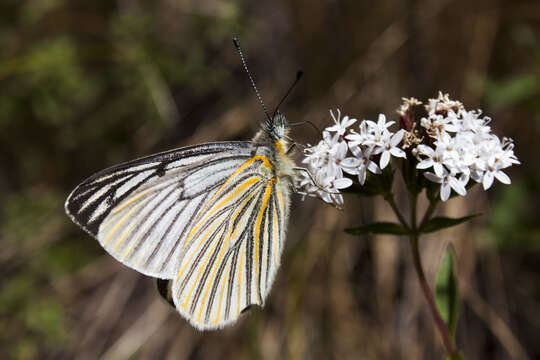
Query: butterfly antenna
[[306, 122], [239, 49], [299, 75]]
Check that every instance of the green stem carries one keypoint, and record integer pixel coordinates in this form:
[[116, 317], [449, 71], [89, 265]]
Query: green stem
[[439, 322]]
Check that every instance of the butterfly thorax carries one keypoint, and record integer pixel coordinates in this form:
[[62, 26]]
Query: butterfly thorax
[[271, 142]]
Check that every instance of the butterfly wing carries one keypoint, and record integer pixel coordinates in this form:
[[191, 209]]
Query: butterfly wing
[[141, 211], [232, 253]]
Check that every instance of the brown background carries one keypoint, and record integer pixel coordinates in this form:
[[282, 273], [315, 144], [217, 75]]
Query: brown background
[[85, 85]]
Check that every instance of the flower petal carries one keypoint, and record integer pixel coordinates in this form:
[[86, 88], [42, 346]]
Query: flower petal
[[424, 164], [342, 183], [488, 180], [445, 192], [438, 168], [396, 138], [425, 150], [356, 151], [385, 159], [432, 177], [397, 152], [350, 162], [502, 177], [362, 175], [373, 167], [457, 186]]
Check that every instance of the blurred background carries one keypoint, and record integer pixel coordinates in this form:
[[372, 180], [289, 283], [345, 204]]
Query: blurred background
[[86, 85]]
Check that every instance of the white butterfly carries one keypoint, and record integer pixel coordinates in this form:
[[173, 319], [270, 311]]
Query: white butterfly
[[208, 219]]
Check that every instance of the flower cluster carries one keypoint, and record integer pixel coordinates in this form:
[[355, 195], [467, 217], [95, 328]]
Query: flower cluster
[[450, 145], [343, 150], [461, 147]]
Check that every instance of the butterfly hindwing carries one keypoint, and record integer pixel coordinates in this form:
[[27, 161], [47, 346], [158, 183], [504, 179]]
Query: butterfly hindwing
[[232, 253], [140, 211]]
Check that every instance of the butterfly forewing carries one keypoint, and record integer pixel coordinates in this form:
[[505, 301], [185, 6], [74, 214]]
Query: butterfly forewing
[[140, 211]]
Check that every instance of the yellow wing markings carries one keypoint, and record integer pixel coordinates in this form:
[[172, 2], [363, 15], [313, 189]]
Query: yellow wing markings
[[205, 236], [221, 253], [221, 293], [239, 189], [281, 202], [257, 231], [241, 265], [266, 163], [128, 230], [119, 223], [125, 204], [275, 234], [199, 273]]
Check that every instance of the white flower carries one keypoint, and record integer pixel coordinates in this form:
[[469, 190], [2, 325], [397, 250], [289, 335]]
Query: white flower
[[361, 138], [378, 131], [340, 126], [463, 146], [494, 171], [407, 105], [390, 143], [443, 104], [448, 181], [437, 125], [434, 158], [326, 162], [364, 164]]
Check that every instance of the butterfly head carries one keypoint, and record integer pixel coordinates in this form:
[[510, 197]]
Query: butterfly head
[[276, 127]]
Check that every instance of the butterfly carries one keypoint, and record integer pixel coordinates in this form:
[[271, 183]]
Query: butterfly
[[207, 220]]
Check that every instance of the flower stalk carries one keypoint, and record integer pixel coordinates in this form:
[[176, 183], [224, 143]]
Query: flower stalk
[[428, 295], [414, 239]]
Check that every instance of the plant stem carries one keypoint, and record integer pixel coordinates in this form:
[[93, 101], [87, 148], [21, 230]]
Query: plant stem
[[429, 212], [414, 198], [390, 199], [439, 322], [414, 240]]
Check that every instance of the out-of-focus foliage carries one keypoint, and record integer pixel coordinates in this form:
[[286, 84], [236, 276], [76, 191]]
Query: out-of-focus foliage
[[88, 84]]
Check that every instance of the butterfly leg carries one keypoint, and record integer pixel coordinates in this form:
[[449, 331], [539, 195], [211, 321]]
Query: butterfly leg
[[293, 145], [305, 170]]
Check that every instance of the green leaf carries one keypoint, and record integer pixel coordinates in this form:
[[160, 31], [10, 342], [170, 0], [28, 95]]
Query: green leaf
[[438, 223], [378, 228], [447, 292]]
